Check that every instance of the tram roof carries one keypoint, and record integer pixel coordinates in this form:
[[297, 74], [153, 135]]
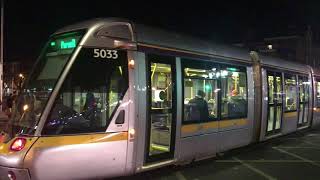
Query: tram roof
[[157, 37], [283, 64]]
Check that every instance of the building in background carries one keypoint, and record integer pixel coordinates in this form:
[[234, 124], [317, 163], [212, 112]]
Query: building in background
[[302, 47]]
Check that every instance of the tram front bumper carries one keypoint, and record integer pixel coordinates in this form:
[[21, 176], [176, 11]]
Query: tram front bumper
[[22, 174]]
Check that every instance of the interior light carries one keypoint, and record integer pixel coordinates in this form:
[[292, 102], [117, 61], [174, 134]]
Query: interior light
[[270, 46], [224, 73], [232, 69], [216, 90], [218, 74], [18, 144], [235, 74], [207, 87]]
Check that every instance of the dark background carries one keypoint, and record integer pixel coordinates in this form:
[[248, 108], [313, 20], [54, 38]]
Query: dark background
[[29, 23]]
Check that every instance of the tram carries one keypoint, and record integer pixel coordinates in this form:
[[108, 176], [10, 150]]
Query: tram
[[108, 97]]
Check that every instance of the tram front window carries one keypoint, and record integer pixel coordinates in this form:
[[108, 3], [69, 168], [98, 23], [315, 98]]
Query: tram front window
[[90, 94], [33, 97]]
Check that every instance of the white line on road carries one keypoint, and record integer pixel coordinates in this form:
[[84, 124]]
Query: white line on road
[[180, 176], [297, 156], [310, 143], [264, 161], [299, 147], [254, 169]]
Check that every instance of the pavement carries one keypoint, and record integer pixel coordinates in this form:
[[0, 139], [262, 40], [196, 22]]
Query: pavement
[[293, 157]]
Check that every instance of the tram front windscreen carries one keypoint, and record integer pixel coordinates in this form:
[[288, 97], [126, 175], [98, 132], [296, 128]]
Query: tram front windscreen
[[35, 93]]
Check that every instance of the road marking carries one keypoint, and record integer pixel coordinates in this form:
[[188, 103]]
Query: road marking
[[254, 169], [263, 161], [313, 144], [297, 156], [180, 176], [299, 147]]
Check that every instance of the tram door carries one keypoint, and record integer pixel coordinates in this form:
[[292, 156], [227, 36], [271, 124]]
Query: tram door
[[161, 116], [303, 101], [275, 105]]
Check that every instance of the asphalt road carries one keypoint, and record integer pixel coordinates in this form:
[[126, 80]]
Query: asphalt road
[[295, 156]]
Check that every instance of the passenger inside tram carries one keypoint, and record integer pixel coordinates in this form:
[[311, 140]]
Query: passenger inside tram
[[198, 107]]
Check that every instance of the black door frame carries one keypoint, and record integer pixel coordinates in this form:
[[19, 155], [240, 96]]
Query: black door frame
[[276, 103], [170, 60], [304, 103]]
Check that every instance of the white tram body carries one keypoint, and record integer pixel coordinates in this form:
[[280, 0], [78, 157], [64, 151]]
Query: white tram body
[[108, 98]]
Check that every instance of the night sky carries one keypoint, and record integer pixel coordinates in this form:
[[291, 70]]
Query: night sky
[[29, 23]]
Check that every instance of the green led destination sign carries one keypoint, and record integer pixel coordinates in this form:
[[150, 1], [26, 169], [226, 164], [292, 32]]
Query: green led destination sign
[[64, 44], [68, 44]]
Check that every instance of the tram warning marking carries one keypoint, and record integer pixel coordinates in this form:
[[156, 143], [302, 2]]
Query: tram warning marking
[[254, 169], [297, 156]]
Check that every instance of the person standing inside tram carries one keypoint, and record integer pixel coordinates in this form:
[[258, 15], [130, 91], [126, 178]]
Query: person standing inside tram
[[199, 107]]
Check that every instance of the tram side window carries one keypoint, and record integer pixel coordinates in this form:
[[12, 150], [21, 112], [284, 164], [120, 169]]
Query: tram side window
[[89, 96], [318, 93], [291, 93], [233, 93], [200, 94]]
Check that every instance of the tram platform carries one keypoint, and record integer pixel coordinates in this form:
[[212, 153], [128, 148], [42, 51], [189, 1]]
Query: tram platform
[[295, 156]]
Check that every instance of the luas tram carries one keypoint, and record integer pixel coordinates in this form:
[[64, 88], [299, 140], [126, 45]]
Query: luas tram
[[108, 98]]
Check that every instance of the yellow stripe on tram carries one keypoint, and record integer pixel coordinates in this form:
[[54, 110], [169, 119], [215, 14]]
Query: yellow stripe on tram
[[81, 139], [290, 114], [191, 128]]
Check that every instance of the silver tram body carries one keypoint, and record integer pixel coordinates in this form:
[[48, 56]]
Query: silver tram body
[[135, 144]]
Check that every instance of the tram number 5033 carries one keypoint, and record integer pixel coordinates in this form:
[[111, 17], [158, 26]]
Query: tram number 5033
[[105, 53]]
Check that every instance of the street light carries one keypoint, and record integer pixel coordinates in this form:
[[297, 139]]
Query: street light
[[21, 79]]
